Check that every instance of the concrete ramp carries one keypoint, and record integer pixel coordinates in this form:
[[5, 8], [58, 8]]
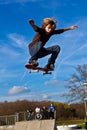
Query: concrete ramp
[[35, 125]]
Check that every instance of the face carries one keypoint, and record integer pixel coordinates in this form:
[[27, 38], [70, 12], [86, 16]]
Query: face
[[49, 28]]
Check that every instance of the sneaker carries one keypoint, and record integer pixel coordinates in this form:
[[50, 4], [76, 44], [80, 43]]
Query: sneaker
[[34, 63], [50, 67]]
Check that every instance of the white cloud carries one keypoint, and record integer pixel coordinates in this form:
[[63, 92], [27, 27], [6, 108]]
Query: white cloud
[[6, 74], [18, 90], [17, 45], [55, 83], [52, 82], [8, 51], [46, 97], [18, 40], [57, 96], [12, 55]]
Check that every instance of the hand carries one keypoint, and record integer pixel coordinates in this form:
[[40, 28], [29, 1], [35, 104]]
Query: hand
[[31, 21], [73, 27]]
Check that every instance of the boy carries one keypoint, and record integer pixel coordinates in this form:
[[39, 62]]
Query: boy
[[36, 47]]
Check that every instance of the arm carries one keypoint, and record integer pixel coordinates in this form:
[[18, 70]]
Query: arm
[[36, 28], [70, 28], [63, 30]]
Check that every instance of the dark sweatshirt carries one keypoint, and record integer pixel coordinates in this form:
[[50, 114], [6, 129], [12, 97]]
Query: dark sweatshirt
[[42, 36]]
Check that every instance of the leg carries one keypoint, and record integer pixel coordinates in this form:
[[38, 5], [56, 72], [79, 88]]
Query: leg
[[33, 61], [54, 51], [33, 53], [33, 58]]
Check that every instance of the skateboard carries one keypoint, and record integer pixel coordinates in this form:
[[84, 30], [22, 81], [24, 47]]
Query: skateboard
[[37, 69]]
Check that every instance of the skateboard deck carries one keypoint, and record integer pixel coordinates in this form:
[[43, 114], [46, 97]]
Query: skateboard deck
[[37, 69]]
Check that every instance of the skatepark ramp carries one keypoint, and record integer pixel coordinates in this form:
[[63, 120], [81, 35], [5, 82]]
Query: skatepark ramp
[[35, 125]]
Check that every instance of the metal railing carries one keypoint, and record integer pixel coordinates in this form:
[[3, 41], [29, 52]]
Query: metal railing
[[21, 116], [8, 120]]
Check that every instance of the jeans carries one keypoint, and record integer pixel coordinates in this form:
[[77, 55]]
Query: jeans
[[53, 50]]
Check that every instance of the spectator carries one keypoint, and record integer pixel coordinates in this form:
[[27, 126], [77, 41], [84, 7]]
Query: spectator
[[44, 113], [29, 114], [37, 110], [51, 111], [38, 114]]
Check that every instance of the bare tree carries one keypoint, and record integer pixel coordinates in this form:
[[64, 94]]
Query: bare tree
[[77, 91]]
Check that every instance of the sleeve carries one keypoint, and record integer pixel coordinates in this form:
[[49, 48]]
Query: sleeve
[[59, 31], [36, 28]]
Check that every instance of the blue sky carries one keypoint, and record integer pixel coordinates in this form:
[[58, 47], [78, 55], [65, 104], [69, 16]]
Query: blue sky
[[15, 34]]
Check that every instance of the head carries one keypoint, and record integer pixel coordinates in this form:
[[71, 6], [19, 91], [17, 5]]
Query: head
[[43, 107], [48, 24]]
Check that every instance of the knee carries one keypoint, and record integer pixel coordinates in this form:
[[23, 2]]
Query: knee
[[57, 47]]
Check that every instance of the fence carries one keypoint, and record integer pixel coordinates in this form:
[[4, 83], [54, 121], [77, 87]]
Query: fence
[[8, 120], [21, 116]]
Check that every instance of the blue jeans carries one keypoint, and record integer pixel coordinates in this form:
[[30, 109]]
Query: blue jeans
[[53, 50]]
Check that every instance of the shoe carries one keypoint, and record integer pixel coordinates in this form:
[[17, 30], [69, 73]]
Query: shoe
[[34, 63], [50, 67]]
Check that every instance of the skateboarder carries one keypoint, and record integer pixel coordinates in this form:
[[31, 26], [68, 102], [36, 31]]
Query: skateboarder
[[36, 47]]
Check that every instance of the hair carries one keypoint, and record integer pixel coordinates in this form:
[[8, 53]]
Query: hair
[[47, 21]]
